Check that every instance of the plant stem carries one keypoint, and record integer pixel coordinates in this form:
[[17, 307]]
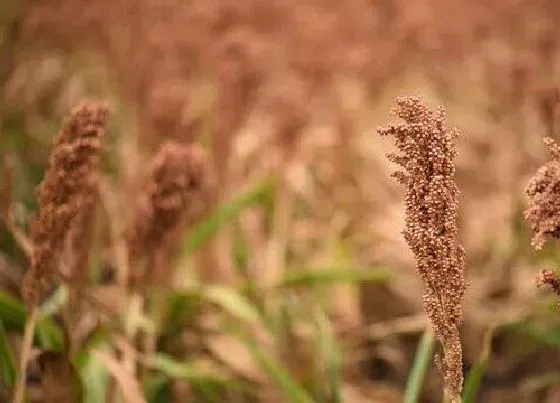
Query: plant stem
[[450, 397], [27, 343]]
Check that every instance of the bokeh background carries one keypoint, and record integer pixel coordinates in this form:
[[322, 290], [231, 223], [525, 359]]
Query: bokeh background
[[301, 248]]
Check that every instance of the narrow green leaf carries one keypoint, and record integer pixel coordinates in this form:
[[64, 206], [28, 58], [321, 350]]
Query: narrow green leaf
[[92, 370], [55, 302], [472, 383], [181, 310], [233, 303], [7, 363], [49, 336], [96, 378], [209, 227], [158, 389], [327, 276], [13, 314], [419, 368], [292, 390], [209, 384], [227, 299], [540, 333], [175, 369], [329, 349]]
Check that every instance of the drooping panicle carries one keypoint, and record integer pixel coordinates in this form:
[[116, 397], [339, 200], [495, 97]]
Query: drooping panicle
[[427, 152], [67, 190], [175, 194]]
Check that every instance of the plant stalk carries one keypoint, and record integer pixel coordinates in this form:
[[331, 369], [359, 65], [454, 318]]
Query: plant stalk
[[27, 343]]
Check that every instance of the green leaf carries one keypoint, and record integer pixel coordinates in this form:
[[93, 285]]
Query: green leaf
[[96, 378], [55, 302], [49, 336], [326, 276], [14, 315], [540, 333], [211, 225], [330, 351], [7, 363], [419, 368], [292, 390], [209, 384], [472, 383], [12, 312], [182, 309], [233, 303], [158, 389], [227, 299], [92, 370]]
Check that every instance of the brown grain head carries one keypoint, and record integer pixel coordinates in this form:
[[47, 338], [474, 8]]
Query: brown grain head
[[173, 196], [68, 188], [427, 151]]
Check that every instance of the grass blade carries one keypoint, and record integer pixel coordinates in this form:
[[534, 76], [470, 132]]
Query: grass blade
[[326, 276], [233, 303], [292, 390], [332, 354], [209, 384], [13, 315], [209, 227], [419, 368], [7, 363], [95, 377], [12, 312], [472, 383], [543, 334]]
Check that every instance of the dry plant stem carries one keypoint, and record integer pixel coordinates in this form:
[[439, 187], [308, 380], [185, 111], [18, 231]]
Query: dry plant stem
[[120, 250], [131, 328], [277, 244], [450, 397], [149, 340], [27, 343]]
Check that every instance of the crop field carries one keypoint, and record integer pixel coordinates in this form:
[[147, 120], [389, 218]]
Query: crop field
[[261, 201]]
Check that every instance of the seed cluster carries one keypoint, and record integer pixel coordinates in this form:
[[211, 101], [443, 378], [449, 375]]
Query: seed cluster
[[428, 150], [550, 278], [178, 182], [68, 188], [543, 189]]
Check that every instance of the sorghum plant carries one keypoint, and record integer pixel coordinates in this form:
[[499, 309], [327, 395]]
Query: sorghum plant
[[428, 150], [68, 190]]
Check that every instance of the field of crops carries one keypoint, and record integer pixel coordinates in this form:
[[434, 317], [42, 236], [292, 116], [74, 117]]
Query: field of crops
[[261, 201]]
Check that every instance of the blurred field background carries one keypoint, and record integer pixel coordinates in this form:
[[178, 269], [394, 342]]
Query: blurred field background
[[297, 285]]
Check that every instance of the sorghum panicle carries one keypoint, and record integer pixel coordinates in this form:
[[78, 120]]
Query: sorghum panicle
[[550, 278], [543, 190], [427, 155], [66, 191], [174, 194]]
